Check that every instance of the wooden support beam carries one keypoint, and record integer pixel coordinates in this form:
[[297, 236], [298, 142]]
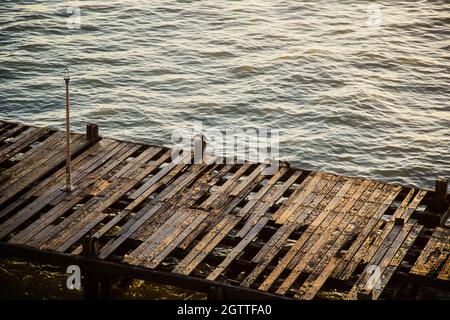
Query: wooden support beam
[[92, 132], [114, 269], [440, 194], [90, 247]]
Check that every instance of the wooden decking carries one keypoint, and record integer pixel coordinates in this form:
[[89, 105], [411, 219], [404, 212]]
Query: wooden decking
[[296, 233]]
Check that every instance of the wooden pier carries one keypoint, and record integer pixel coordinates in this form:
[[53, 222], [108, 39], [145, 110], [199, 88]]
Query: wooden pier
[[223, 229]]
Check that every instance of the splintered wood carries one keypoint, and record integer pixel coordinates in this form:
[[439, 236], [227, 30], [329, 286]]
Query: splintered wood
[[294, 233], [434, 261]]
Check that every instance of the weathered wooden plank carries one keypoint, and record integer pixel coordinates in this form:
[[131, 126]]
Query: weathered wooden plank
[[107, 197], [81, 164], [154, 183], [391, 243], [4, 126], [27, 212], [173, 244], [129, 228], [298, 198], [57, 180], [227, 203], [297, 218], [190, 196], [352, 205], [142, 159], [246, 182], [421, 267], [329, 260], [262, 192], [65, 202], [90, 166], [161, 234], [28, 159], [314, 282], [299, 193], [445, 272], [177, 187], [439, 260], [373, 246], [191, 184], [380, 261], [413, 205], [165, 237], [106, 160], [40, 168], [192, 174], [395, 262], [11, 131], [153, 180], [208, 202], [368, 236], [163, 223], [314, 205], [88, 225], [35, 158], [373, 211], [33, 232], [92, 178], [51, 142], [111, 223], [365, 281], [56, 196]]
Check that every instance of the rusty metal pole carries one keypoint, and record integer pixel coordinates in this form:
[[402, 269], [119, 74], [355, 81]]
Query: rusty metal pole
[[69, 186]]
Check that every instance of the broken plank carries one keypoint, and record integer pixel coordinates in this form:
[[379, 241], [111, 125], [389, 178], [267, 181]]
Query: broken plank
[[248, 237], [278, 240]]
